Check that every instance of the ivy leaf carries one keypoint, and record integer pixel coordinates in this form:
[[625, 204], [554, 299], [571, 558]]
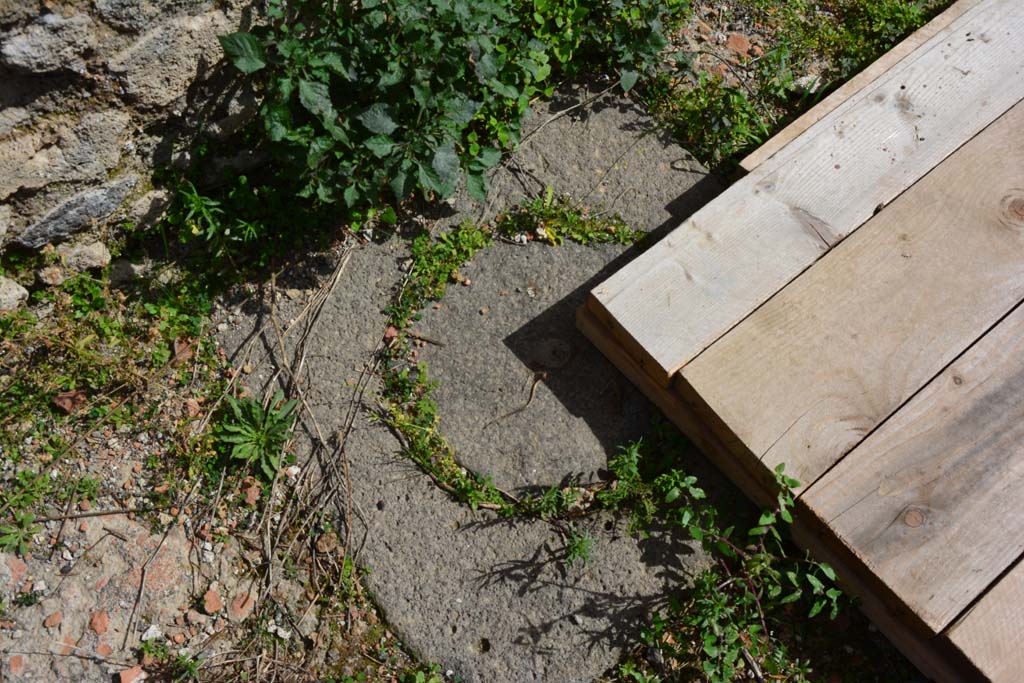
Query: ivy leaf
[[428, 178], [377, 119], [333, 62], [446, 162], [627, 79], [244, 51], [401, 185], [488, 157], [277, 121], [351, 195], [316, 98], [380, 145], [318, 149], [393, 76], [486, 67], [476, 183], [462, 110], [503, 89]]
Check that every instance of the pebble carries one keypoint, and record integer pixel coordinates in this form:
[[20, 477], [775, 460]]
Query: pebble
[[212, 602], [152, 633], [100, 622], [132, 675], [53, 620]]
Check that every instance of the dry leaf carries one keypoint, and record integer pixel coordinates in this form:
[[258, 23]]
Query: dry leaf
[[183, 351], [390, 334], [70, 401], [192, 408], [252, 494]]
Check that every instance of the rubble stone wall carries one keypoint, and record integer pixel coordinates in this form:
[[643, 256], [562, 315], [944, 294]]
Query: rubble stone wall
[[96, 94]]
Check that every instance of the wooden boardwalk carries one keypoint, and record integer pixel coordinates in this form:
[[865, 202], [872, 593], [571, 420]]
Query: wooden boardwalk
[[852, 308]]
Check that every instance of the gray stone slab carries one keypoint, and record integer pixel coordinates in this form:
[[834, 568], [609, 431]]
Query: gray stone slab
[[511, 335], [491, 599], [75, 214], [608, 155]]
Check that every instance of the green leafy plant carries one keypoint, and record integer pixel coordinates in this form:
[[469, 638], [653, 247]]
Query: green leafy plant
[[17, 535], [255, 434], [722, 119], [725, 619], [430, 675], [554, 219], [715, 121], [578, 546], [370, 101], [27, 490]]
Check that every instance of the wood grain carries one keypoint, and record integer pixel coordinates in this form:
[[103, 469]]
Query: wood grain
[[855, 84], [722, 263], [991, 634], [930, 502], [814, 370]]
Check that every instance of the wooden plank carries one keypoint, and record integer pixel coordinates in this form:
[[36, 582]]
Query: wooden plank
[[855, 84], [810, 373], [718, 266], [936, 660], [930, 502], [935, 657], [990, 634], [757, 487]]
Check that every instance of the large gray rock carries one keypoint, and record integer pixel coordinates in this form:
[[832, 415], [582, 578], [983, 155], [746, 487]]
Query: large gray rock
[[51, 43], [12, 295], [5, 221], [12, 11], [83, 257], [84, 150], [12, 117], [157, 68], [127, 15], [75, 214]]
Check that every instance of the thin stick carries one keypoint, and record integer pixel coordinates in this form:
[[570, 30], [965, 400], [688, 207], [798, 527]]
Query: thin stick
[[428, 340], [754, 668], [145, 569], [98, 513]]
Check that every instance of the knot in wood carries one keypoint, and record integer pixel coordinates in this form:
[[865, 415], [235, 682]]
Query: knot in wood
[[914, 517], [1012, 214]]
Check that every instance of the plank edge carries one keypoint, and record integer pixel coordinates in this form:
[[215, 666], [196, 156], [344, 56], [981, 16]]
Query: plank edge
[[863, 79]]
